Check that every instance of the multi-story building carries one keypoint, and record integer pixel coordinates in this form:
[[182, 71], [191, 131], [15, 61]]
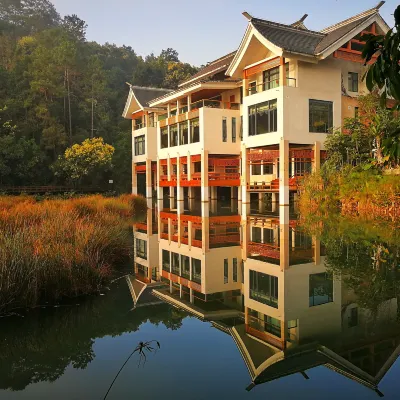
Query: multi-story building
[[219, 158]]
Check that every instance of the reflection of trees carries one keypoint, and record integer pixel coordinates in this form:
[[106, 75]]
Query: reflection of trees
[[40, 346], [365, 254]]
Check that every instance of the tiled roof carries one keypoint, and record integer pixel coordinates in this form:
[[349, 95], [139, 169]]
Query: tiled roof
[[336, 34], [146, 94], [288, 37], [212, 68]]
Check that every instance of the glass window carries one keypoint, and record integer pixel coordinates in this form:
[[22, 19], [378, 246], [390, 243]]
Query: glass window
[[165, 261], [356, 112], [173, 135], [175, 263], [353, 81], [252, 87], [194, 130], [164, 137], [321, 289], [196, 270], [233, 130], [185, 264], [272, 325], [264, 288], [263, 118], [321, 116], [197, 167], [184, 133], [256, 169], [235, 270], [241, 127], [268, 169], [226, 270], [256, 234], [140, 145], [271, 78], [242, 271], [141, 248], [224, 130]]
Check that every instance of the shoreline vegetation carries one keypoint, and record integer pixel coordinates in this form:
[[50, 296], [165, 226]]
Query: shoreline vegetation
[[53, 249], [352, 191]]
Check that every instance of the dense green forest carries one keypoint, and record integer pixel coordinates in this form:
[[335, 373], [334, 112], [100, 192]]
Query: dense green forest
[[58, 89]]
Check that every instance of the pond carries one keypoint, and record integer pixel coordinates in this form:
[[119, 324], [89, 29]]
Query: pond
[[318, 317]]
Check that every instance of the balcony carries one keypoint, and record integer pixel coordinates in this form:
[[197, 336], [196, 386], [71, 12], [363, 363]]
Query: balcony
[[267, 85]]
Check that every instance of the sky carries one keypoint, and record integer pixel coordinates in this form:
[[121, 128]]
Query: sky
[[202, 30]]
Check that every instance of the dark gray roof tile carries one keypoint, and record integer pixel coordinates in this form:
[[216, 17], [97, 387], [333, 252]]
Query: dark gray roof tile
[[146, 94]]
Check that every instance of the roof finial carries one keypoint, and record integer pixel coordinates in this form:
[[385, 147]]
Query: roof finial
[[379, 5], [247, 15], [303, 18]]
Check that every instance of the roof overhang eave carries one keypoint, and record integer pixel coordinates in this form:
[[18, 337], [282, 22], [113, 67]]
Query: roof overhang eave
[[191, 89], [340, 42]]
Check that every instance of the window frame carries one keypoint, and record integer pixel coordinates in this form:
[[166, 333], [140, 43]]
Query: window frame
[[313, 114], [140, 145], [233, 129], [226, 271], [352, 81], [224, 129]]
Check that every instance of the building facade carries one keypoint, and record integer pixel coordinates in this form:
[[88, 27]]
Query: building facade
[[219, 161]]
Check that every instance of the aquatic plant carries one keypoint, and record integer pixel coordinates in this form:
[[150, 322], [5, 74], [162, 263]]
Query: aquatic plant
[[62, 248]]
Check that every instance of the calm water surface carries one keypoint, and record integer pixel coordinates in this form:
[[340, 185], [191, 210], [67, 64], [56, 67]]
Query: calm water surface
[[345, 344]]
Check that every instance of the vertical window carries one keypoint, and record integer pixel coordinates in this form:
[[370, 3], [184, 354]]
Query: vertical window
[[241, 127], [194, 130], [252, 88], [224, 130], [185, 265], [226, 270], [321, 116], [175, 263], [242, 271], [196, 270], [321, 289], [233, 130], [353, 81], [355, 112], [184, 133], [141, 249], [241, 94], [256, 234], [264, 288], [164, 137], [140, 145], [256, 169], [263, 118], [173, 135], [268, 169], [235, 270], [165, 261], [271, 78], [272, 325]]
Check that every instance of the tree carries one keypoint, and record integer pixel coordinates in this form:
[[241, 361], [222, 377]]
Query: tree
[[385, 71], [170, 55], [75, 26], [176, 73], [85, 163]]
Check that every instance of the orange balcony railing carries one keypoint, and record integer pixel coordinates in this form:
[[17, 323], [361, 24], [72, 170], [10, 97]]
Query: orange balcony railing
[[264, 250]]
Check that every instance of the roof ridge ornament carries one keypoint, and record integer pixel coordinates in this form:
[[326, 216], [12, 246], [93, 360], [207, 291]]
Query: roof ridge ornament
[[247, 15]]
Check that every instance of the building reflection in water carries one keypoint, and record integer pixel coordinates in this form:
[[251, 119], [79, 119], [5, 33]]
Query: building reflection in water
[[257, 276]]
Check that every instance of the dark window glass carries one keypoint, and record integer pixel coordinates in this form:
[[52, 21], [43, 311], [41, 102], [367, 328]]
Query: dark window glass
[[256, 234], [235, 270], [141, 248], [194, 130], [173, 135], [224, 130], [242, 271], [264, 288], [197, 166], [165, 261], [356, 112], [263, 118], [185, 265], [252, 87], [272, 325], [241, 127], [256, 169], [233, 130], [226, 270], [321, 289], [268, 169], [353, 81], [164, 137], [321, 116], [196, 270], [175, 263], [184, 133], [271, 78], [140, 145]]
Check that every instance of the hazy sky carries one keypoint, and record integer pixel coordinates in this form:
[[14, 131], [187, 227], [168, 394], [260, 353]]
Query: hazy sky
[[201, 30]]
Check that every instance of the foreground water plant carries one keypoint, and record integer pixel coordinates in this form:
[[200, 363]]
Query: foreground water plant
[[62, 248]]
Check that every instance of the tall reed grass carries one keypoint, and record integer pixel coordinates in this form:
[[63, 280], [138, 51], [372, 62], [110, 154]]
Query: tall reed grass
[[62, 248]]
